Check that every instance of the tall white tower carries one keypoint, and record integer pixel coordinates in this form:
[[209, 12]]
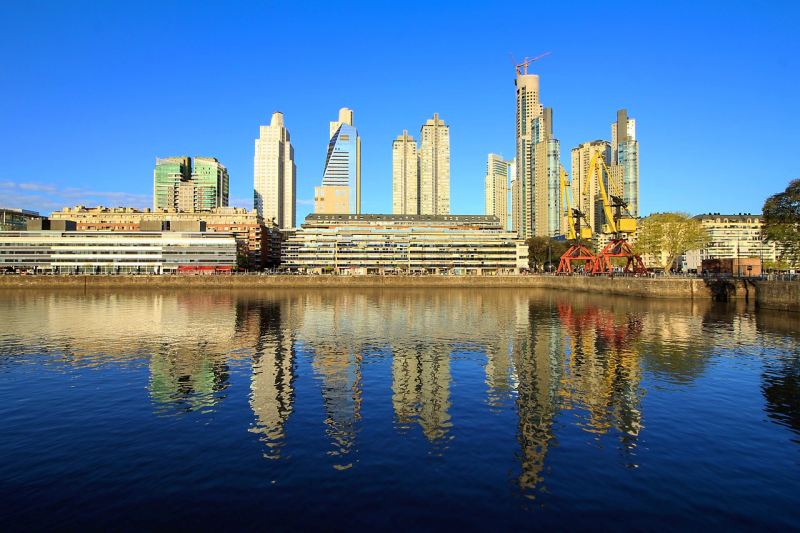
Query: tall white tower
[[434, 168], [275, 174], [405, 175]]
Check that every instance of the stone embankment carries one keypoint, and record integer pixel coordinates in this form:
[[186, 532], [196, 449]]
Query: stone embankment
[[784, 295]]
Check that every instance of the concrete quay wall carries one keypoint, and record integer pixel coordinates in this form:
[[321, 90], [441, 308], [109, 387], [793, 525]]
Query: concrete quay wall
[[783, 295], [643, 287]]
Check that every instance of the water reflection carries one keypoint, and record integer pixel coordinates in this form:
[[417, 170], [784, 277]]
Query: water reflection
[[553, 360]]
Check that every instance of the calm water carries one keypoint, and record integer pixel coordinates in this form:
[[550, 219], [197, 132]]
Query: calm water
[[364, 409]]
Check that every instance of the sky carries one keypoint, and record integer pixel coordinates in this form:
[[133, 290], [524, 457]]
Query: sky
[[92, 92]]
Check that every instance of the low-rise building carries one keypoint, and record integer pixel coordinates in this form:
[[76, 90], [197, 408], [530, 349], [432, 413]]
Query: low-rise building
[[387, 244], [259, 243], [16, 219], [120, 252], [731, 237]]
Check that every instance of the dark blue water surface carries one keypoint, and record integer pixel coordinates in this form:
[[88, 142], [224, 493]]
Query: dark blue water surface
[[425, 409]]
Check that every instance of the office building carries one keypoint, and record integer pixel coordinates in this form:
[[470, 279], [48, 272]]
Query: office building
[[176, 185], [624, 162], [15, 219], [340, 191], [546, 216], [497, 188], [258, 243], [732, 237], [405, 175], [392, 244], [528, 108], [275, 174], [434, 168], [94, 252]]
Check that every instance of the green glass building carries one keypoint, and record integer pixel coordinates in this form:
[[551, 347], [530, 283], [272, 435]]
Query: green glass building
[[179, 185]]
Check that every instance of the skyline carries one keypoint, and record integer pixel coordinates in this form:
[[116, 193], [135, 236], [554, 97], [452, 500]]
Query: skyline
[[688, 123]]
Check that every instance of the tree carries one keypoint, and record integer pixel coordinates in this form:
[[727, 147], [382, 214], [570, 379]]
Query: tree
[[666, 236], [542, 249], [781, 217]]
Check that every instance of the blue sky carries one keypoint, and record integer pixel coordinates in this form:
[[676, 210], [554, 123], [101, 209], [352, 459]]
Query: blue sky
[[92, 92]]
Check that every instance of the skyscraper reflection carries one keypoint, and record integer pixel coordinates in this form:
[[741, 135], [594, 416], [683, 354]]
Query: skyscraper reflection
[[272, 379]]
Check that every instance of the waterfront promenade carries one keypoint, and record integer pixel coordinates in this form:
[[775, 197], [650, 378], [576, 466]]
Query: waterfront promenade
[[783, 295]]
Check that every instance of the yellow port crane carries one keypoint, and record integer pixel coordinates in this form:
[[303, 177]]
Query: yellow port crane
[[578, 252], [618, 224]]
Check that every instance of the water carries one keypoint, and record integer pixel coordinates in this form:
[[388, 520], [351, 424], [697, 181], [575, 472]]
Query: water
[[395, 409]]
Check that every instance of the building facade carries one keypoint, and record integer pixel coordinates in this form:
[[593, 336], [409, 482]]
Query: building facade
[[732, 237], [258, 243], [497, 188], [405, 175], [546, 215], [434, 168], [624, 162], [16, 219], [340, 191], [528, 108], [179, 185], [93, 252], [393, 244], [275, 174]]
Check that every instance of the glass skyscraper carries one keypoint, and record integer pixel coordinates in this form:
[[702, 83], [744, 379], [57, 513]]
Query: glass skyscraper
[[341, 181]]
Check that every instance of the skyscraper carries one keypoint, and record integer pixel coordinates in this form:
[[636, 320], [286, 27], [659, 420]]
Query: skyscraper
[[167, 178], [275, 174], [497, 173], [434, 168], [513, 193], [340, 191], [405, 176], [177, 186], [625, 159], [210, 181], [545, 167], [528, 108]]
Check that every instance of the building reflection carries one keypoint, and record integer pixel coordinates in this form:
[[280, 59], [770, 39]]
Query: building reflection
[[421, 389], [333, 330], [187, 378], [550, 360], [266, 325]]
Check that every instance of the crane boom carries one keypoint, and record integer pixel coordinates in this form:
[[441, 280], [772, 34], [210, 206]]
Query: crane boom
[[597, 165], [566, 203]]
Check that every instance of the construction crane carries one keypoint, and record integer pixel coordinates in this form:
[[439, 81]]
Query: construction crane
[[522, 68], [618, 224], [578, 252]]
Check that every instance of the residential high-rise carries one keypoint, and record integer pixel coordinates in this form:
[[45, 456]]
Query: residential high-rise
[[210, 181], [585, 188], [176, 185], [544, 193], [624, 163], [434, 168], [167, 177], [405, 176], [340, 191], [497, 173], [528, 108], [513, 183], [275, 174]]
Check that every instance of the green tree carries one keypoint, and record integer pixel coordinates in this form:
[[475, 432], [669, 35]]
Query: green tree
[[781, 217], [666, 236], [542, 249]]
